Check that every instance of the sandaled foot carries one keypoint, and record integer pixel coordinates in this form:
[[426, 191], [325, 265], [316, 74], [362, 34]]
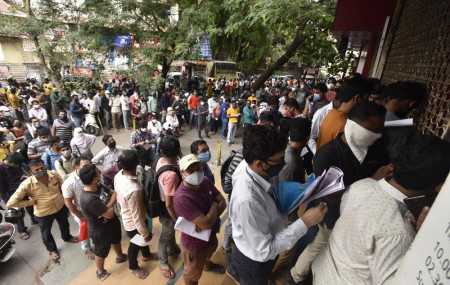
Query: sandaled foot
[[89, 254], [140, 273], [54, 255], [167, 271], [72, 240], [122, 259], [102, 276], [24, 236], [153, 256], [216, 268]]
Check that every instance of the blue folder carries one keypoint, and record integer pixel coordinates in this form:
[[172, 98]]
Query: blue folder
[[290, 193]]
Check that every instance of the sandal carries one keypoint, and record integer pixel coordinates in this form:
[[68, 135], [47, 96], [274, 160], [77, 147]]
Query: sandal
[[102, 276], [72, 240], [153, 256], [140, 273], [216, 268], [24, 236], [168, 273], [90, 254], [54, 255], [123, 259]]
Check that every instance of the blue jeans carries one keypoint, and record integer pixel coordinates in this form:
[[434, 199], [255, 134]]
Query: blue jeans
[[231, 132], [224, 127], [158, 142], [126, 114], [77, 121]]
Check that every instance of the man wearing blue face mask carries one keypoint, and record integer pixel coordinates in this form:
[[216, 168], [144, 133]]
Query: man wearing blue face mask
[[200, 149]]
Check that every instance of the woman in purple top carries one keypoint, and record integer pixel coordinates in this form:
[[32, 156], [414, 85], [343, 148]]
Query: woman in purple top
[[198, 200]]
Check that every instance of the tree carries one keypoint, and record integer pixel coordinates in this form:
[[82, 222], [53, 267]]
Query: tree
[[43, 17]]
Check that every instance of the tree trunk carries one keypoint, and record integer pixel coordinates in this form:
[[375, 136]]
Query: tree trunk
[[290, 52], [55, 75]]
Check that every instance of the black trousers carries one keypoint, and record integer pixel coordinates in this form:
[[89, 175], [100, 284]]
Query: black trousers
[[251, 272], [133, 250], [45, 223]]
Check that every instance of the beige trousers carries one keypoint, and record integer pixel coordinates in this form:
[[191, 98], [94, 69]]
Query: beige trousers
[[303, 265]]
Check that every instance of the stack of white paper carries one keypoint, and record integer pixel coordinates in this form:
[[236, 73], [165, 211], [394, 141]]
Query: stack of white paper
[[188, 228], [331, 181]]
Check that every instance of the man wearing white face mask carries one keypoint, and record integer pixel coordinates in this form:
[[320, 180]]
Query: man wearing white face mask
[[39, 113], [358, 156], [155, 129], [198, 201], [142, 141]]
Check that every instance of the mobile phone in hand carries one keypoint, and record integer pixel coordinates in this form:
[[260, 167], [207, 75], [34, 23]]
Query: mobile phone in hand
[[417, 203]]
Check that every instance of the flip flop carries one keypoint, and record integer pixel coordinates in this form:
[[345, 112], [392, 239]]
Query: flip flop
[[90, 254], [140, 273], [168, 273], [24, 236], [216, 268], [102, 276]]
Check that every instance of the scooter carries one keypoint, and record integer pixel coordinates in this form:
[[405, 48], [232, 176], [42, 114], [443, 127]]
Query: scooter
[[7, 231], [90, 125]]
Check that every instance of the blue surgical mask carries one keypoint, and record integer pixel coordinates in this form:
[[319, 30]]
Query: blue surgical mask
[[274, 170], [62, 118], [205, 157], [234, 105], [316, 97]]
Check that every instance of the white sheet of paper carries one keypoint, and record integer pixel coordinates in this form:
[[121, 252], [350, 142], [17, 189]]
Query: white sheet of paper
[[139, 240], [399, 123], [188, 228]]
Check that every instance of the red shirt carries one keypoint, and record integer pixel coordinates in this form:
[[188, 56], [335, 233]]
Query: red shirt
[[193, 102], [190, 204]]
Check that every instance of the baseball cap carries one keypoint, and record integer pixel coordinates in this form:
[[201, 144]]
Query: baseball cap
[[187, 160]]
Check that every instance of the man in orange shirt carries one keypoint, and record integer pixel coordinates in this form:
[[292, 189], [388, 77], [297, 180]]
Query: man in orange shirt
[[333, 123]]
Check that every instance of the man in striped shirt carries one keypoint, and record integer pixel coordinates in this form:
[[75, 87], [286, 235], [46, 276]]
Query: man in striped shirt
[[63, 127], [37, 147]]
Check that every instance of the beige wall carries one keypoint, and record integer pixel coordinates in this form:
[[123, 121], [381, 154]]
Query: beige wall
[[12, 50]]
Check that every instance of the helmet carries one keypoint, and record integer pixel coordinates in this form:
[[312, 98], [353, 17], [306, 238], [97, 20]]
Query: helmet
[[14, 216]]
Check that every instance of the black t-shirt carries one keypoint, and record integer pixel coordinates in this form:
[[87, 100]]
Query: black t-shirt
[[6, 123], [337, 153], [93, 207]]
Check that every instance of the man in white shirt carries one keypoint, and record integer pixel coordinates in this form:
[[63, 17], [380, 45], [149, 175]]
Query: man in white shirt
[[317, 120], [211, 103], [71, 191], [260, 230], [155, 129], [374, 230], [125, 102], [109, 155], [38, 112]]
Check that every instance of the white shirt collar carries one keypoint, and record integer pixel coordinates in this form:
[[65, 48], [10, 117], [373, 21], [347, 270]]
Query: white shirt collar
[[392, 191], [259, 180]]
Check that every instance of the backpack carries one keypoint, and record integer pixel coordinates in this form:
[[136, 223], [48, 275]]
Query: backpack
[[155, 207], [226, 165]]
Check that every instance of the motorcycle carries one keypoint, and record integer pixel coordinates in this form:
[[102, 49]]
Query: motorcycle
[[90, 125], [7, 231]]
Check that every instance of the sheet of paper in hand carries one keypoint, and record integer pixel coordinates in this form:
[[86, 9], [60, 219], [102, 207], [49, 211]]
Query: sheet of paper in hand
[[331, 181], [188, 228]]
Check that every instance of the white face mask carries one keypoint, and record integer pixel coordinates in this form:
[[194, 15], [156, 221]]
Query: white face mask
[[143, 130], [154, 121], [77, 135], [36, 106], [195, 178], [359, 139], [330, 86]]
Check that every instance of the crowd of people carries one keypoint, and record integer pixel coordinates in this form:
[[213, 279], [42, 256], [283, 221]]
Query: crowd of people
[[356, 236]]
